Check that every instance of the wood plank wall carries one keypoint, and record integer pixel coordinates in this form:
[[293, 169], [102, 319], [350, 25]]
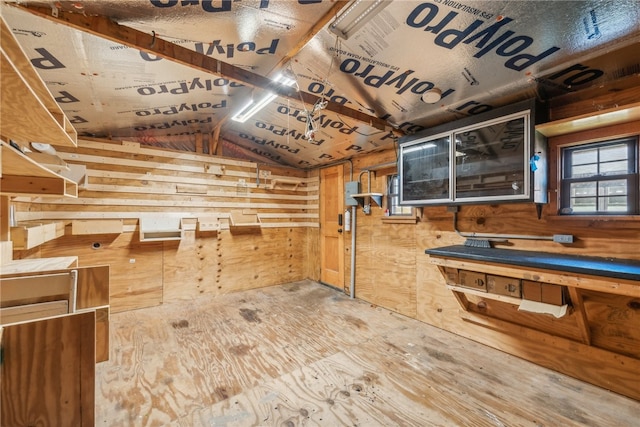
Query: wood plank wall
[[126, 181], [393, 271]]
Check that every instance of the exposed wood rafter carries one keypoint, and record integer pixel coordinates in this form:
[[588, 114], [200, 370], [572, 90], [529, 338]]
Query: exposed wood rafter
[[103, 27], [214, 141], [317, 27]]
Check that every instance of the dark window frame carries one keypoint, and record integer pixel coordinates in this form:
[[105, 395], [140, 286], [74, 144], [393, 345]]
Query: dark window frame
[[631, 177]]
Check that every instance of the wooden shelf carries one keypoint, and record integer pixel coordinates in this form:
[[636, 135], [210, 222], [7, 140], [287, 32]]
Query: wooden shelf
[[245, 220], [285, 182], [29, 235], [29, 111], [96, 226], [363, 198], [24, 177], [159, 228], [609, 117]]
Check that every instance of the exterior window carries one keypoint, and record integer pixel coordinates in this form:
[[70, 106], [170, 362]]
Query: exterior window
[[600, 178], [393, 198]]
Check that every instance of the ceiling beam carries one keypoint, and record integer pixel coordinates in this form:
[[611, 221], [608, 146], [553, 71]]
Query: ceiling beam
[[105, 28], [317, 27]]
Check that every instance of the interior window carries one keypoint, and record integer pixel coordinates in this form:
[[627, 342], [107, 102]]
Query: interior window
[[393, 198], [600, 178]]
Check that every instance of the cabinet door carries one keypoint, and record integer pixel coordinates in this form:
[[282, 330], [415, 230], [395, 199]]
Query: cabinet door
[[48, 372], [492, 161], [425, 171]]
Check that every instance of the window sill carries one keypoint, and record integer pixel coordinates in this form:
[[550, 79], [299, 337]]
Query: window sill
[[398, 219]]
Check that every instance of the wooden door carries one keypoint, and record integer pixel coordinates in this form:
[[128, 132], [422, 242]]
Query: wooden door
[[331, 232]]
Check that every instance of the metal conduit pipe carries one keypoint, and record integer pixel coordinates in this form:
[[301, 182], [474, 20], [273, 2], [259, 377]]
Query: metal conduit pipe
[[352, 283], [496, 237], [340, 163]]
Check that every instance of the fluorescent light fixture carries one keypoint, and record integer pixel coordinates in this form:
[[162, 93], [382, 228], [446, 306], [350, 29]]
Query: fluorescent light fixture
[[419, 147], [355, 16], [253, 107]]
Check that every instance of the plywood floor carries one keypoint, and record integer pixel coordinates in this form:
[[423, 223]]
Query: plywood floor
[[303, 354]]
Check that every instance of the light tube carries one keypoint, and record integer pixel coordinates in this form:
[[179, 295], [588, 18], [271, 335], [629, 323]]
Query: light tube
[[357, 14], [253, 107]]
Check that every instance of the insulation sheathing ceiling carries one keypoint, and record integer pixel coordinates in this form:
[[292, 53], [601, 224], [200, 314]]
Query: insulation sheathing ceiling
[[479, 54]]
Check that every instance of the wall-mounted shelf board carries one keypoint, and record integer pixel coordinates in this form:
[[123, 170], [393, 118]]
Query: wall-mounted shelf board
[[363, 198], [285, 182], [51, 162], [22, 176], [158, 228], [191, 188], [76, 173], [245, 220], [29, 111], [96, 226], [29, 235]]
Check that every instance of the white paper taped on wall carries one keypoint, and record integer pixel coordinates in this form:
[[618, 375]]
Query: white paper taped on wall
[[556, 311]]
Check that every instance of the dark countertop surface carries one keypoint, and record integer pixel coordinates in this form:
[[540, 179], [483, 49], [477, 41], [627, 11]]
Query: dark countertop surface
[[609, 267]]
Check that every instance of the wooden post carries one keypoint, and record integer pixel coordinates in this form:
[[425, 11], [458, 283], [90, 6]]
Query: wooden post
[[214, 141], [199, 148]]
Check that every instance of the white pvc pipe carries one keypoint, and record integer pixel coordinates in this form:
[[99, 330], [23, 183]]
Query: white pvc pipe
[[352, 284]]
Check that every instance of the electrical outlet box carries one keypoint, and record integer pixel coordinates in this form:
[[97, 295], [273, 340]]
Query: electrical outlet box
[[351, 187], [563, 238]]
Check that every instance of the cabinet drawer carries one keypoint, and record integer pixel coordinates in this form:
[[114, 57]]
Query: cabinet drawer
[[473, 280], [500, 285], [544, 292], [451, 276]]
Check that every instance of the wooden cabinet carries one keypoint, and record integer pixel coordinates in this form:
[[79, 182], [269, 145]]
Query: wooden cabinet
[[34, 289], [48, 371], [54, 328], [54, 319], [496, 156]]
